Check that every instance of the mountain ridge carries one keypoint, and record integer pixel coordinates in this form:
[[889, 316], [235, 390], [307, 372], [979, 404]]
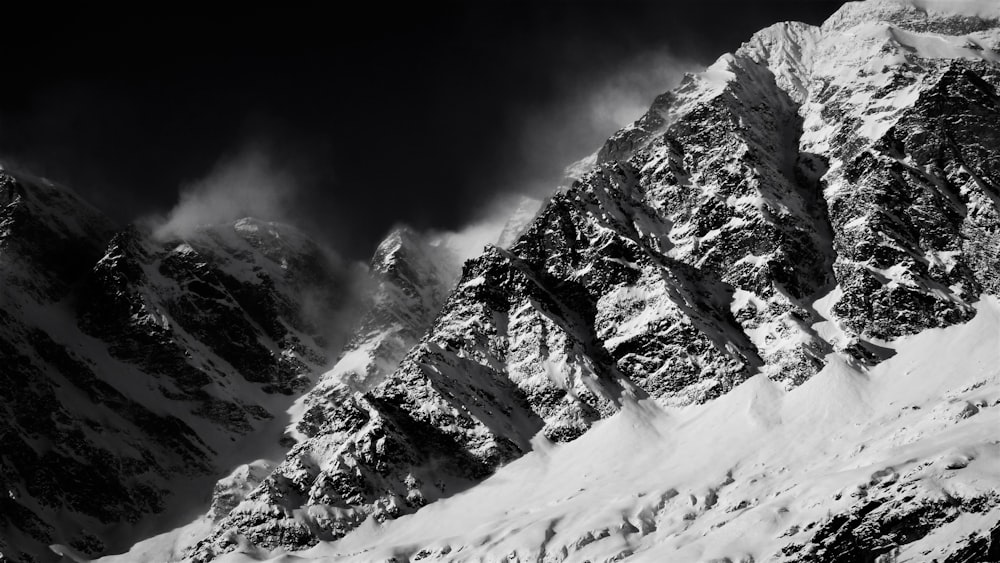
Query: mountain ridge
[[755, 220], [769, 252], [120, 355]]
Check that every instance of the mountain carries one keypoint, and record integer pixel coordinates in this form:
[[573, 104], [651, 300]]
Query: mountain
[[895, 463], [760, 323], [135, 368], [406, 282], [769, 238]]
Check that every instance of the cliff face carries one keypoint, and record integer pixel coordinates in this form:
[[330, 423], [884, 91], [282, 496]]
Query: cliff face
[[240, 294], [817, 194], [132, 366]]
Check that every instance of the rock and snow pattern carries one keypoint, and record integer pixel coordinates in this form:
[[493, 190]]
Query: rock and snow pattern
[[134, 368], [899, 460], [759, 324], [744, 265]]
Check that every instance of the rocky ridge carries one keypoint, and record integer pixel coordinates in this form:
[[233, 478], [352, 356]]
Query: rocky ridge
[[821, 190], [134, 366], [409, 277]]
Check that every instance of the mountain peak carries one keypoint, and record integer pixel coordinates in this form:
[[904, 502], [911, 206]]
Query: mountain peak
[[949, 17], [398, 245]]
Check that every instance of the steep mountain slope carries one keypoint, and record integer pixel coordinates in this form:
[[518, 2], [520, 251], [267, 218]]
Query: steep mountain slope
[[250, 296], [133, 368], [408, 279], [49, 238], [42, 256], [806, 200], [909, 467]]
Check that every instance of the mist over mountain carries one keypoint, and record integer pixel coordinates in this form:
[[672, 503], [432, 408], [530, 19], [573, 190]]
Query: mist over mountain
[[735, 309], [132, 109]]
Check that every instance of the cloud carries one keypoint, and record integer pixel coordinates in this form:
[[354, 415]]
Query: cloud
[[252, 183], [333, 310], [248, 184], [494, 226], [469, 241], [497, 225], [588, 110], [626, 93]]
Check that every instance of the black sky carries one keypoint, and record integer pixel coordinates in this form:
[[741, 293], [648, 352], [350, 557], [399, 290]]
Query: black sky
[[417, 114]]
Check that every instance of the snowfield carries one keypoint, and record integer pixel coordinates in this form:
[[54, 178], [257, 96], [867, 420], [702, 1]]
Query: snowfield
[[925, 421]]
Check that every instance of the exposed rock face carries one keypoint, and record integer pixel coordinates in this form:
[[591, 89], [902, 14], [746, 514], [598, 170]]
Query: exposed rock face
[[238, 292], [131, 366], [916, 227], [876, 527], [410, 277], [48, 236], [821, 190]]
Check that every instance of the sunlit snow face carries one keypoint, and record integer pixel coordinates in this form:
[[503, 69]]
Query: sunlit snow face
[[981, 8]]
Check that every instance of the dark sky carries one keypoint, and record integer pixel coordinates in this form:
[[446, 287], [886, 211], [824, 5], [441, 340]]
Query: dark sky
[[417, 114]]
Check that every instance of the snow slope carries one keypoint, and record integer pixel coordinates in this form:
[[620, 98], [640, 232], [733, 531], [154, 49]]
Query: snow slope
[[132, 369], [905, 448]]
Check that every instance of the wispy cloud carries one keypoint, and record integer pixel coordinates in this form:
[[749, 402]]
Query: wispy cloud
[[247, 184], [590, 109], [506, 211], [625, 94], [568, 128]]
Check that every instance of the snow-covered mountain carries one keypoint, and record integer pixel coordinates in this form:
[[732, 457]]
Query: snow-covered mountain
[[135, 369], [759, 324], [799, 208], [900, 461]]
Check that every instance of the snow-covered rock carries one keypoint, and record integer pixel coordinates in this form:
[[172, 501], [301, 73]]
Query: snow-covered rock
[[133, 369], [410, 276], [49, 236], [757, 324], [900, 460], [797, 208]]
